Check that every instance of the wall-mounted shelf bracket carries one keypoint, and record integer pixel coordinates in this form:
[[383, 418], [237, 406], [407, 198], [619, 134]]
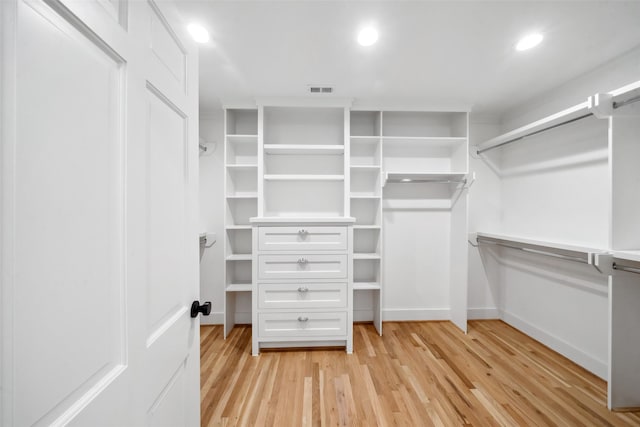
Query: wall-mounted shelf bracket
[[472, 238], [469, 180], [601, 105], [603, 262]]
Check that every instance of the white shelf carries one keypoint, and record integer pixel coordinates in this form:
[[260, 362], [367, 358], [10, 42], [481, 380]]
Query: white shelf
[[627, 255], [427, 141], [242, 139], [238, 227], [245, 166], [364, 196], [238, 287], [311, 149], [366, 256], [366, 168], [267, 220], [243, 196], [556, 249], [544, 123], [365, 139], [239, 257], [303, 177], [409, 177], [366, 227], [366, 286]]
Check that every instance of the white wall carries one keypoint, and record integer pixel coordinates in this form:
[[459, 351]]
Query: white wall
[[555, 186], [212, 215]]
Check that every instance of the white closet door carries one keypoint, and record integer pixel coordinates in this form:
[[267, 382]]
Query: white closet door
[[99, 251]]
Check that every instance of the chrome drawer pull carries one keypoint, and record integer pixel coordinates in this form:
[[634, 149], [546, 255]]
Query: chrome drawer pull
[[301, 289], [303, 319], [302, 260]]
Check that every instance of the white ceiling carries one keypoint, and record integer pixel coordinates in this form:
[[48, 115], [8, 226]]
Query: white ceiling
[[448, 53]]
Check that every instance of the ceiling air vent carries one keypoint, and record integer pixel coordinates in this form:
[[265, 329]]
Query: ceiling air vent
[[320, 89]]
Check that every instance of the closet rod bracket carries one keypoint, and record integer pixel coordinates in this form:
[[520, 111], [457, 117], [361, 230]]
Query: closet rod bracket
[[603, 262], [601, 105]]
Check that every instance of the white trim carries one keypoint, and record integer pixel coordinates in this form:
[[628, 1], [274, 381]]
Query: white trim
[[479, 313], [563, 347], [365, 315], [216, 318], [304, 101], [413, 314]]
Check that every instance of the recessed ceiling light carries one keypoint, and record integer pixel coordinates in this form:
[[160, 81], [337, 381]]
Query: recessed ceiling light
[[529, 41], [198, 32], [406, 180], [368, 36]]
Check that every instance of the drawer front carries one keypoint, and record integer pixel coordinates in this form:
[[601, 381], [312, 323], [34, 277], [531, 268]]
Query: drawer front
[[302, 238], [303, 266], [302, 324], [303, 295]]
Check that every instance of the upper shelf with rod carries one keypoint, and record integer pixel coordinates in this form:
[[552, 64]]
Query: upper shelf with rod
[[564, 251], [436, 178], [596, 105]]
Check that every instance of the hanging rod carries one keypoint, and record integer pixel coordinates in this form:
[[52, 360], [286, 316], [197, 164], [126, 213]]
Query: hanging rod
[[569, 112], [560, 251], [509, 141], [626, 102], [431, 181], [583, 260], [624, 264], [623, 268]]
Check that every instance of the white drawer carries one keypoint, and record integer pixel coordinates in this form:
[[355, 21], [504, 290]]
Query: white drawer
[[303, 266], [302, 295], [302, 238], [301, 324]]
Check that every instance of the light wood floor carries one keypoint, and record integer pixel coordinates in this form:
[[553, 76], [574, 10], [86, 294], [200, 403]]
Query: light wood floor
[[416, 374]]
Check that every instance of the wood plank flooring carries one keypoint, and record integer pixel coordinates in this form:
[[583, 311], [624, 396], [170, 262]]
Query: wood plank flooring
[[416, 374]]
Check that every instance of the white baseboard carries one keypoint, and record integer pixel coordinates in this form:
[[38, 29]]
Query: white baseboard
[[409, 314], [576, 355], [363, 315], [215, 318], [483, 313]]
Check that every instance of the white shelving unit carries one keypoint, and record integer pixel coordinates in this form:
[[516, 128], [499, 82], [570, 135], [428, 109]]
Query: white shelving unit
[[302, 233], [241, 203], [365, 168], [316, 167], [421, 150]]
